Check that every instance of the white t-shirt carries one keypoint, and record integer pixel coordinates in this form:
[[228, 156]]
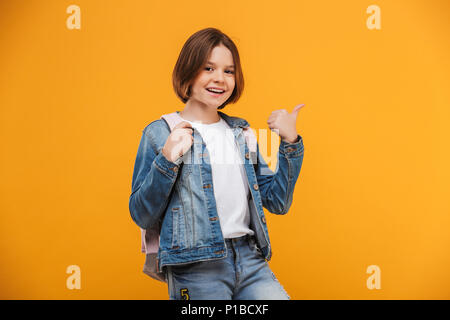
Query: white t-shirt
[[230, 184]]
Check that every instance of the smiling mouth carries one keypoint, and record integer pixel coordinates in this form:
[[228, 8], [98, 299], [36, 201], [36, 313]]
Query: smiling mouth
[[215, 93]]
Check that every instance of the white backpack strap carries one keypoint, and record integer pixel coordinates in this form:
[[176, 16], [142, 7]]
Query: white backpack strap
[[150, 240], [172, 119]]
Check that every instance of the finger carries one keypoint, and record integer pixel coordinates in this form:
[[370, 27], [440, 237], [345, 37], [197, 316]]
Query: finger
[[183, 124], [187, 130], [271, 125], [181, 134], [276, 130], [276, 112], [272, 117], [297, 108], [183, 131], [187, 137]]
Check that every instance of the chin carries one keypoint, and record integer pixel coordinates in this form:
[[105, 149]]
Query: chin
[[214, 105]]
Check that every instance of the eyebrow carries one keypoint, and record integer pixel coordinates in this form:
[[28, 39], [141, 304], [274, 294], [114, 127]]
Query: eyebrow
[[212, 63]]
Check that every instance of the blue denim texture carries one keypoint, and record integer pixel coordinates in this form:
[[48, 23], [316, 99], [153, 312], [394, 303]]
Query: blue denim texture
[[243, 275], [179, 198]]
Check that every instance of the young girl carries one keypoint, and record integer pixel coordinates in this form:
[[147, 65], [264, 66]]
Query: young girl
[[199, 186]]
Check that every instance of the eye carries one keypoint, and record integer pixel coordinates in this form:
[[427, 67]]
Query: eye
[[229, 71]]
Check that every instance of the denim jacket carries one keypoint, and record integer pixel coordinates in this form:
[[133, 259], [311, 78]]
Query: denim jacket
[[174, 205]]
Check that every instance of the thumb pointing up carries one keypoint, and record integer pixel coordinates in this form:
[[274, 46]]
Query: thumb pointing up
[[296, 109], [285, 123]]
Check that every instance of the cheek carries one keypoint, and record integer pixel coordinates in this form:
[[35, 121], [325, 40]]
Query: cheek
[[198, 87], [231, 82], [200, 82], [231, 85]]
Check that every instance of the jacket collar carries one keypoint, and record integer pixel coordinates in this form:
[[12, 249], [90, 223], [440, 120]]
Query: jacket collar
[[234, 122]]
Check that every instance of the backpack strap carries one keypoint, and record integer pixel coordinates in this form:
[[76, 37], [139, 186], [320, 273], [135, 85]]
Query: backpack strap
[[172, 119]]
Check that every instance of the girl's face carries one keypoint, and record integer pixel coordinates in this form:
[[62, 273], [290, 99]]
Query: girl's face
[[217, 73]]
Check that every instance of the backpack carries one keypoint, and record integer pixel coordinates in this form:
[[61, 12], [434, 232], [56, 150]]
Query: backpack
[[150, 236]]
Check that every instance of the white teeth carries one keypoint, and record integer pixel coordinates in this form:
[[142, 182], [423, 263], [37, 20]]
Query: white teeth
[[215, 90]]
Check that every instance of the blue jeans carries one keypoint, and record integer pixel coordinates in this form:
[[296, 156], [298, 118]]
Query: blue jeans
[[243, 275]]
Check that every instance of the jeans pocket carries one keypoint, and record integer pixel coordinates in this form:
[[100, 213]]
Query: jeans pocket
[[254, 248]]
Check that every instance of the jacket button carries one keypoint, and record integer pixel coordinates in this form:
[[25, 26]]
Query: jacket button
[[247, 156], [175, 169], [255, 186], [263, 219], [219, 252]]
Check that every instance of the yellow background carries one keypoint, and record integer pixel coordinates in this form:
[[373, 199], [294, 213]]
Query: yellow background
[[373, 189]]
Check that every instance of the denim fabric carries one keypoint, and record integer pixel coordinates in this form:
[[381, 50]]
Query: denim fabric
[[177, 198], [243, 274]]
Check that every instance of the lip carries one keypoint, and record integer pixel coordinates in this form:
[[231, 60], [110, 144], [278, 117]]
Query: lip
[[215, 94]]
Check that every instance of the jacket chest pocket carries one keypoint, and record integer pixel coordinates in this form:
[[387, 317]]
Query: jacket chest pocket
[[178, 228]]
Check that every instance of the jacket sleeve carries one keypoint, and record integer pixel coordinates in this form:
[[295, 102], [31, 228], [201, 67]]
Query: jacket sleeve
[[277, 188], [153, 180]]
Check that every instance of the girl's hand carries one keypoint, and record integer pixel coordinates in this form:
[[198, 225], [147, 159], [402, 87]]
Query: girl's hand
[[285, 123], [179, 141]]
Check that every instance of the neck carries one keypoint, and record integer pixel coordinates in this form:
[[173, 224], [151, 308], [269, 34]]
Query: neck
[[194, 111]]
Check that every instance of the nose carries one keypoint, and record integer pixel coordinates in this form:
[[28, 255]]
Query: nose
[[218, 76]]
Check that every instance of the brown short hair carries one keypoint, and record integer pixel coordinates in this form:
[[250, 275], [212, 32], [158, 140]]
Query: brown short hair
[[193, 57]]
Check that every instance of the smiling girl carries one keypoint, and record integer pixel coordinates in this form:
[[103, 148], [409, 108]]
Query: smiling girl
[[199, 187]]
